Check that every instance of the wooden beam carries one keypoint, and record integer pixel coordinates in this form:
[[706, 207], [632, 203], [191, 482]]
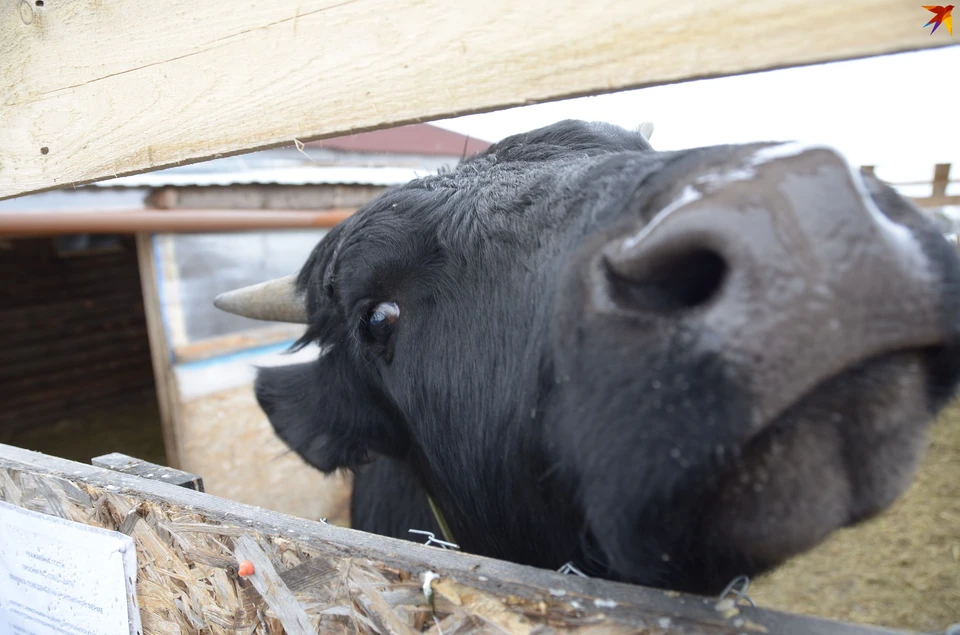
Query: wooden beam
[[117, 87], [936, 201], [189, 544], [225, 344], [168, 400]]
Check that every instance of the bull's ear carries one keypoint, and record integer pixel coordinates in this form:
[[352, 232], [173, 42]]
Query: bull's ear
[[325, 413]]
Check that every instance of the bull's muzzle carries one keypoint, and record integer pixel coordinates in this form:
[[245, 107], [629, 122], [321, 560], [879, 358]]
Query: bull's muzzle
[[793, 272]]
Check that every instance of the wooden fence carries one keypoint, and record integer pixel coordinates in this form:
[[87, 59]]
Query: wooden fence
[[312, 577]]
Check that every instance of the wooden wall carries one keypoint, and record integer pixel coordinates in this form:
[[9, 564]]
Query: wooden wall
[[73, 337]]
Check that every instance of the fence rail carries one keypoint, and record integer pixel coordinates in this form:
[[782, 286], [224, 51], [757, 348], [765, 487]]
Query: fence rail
[[151, 85], [340, 580]]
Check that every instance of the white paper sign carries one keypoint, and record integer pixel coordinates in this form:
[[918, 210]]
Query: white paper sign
[[58, 577]]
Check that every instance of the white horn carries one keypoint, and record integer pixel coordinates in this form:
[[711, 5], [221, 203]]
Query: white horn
[[646, 129], [274, 301]]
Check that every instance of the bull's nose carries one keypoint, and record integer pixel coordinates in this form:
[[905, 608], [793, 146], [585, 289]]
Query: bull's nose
[[787, 265]]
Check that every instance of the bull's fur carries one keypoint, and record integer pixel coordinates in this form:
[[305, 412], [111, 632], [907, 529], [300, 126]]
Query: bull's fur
[[547, 433]]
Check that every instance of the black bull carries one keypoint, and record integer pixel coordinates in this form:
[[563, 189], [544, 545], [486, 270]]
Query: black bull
[[668, 368]]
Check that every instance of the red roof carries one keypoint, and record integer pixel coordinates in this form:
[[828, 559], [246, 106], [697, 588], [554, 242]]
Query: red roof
[[420, 138]]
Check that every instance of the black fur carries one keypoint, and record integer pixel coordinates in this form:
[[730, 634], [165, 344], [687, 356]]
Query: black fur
[[548, 432]]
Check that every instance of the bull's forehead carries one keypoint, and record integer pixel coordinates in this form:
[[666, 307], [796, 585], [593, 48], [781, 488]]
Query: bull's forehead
[[491, 208], [510, 193]]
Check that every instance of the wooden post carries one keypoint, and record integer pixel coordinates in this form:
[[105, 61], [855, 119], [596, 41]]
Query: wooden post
[[941, 177], [160, 353]]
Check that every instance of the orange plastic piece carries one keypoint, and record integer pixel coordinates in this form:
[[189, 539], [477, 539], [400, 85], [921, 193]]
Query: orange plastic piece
[[245, 569]]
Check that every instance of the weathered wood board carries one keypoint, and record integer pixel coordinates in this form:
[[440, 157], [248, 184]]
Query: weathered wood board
[[188, 544], [164, 381], [128, 465], [115, 87]]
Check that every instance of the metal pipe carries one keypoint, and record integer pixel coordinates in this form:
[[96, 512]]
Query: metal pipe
[[51, 223], [133, 221]]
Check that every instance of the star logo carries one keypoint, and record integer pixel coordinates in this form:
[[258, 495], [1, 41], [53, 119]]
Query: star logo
[[941, 15]]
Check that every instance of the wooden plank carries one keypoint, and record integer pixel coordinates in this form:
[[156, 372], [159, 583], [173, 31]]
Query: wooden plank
[[128, 465], [936, 201], [367, 580], [160, 357], [116, 87], [226, 344], [272, 589]]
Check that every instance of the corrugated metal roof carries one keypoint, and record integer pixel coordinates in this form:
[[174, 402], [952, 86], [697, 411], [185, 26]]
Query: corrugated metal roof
[[319, 175], [419, 138]]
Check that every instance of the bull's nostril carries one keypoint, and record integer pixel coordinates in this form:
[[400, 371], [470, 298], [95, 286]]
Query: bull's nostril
[[674, 282]]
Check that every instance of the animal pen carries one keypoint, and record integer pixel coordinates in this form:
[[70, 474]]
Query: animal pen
[[117, 87]]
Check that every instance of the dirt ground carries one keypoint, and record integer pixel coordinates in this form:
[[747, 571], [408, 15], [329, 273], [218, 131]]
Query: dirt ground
[[901, 569]]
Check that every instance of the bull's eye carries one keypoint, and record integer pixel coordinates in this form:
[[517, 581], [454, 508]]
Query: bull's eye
[[381, 320]]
